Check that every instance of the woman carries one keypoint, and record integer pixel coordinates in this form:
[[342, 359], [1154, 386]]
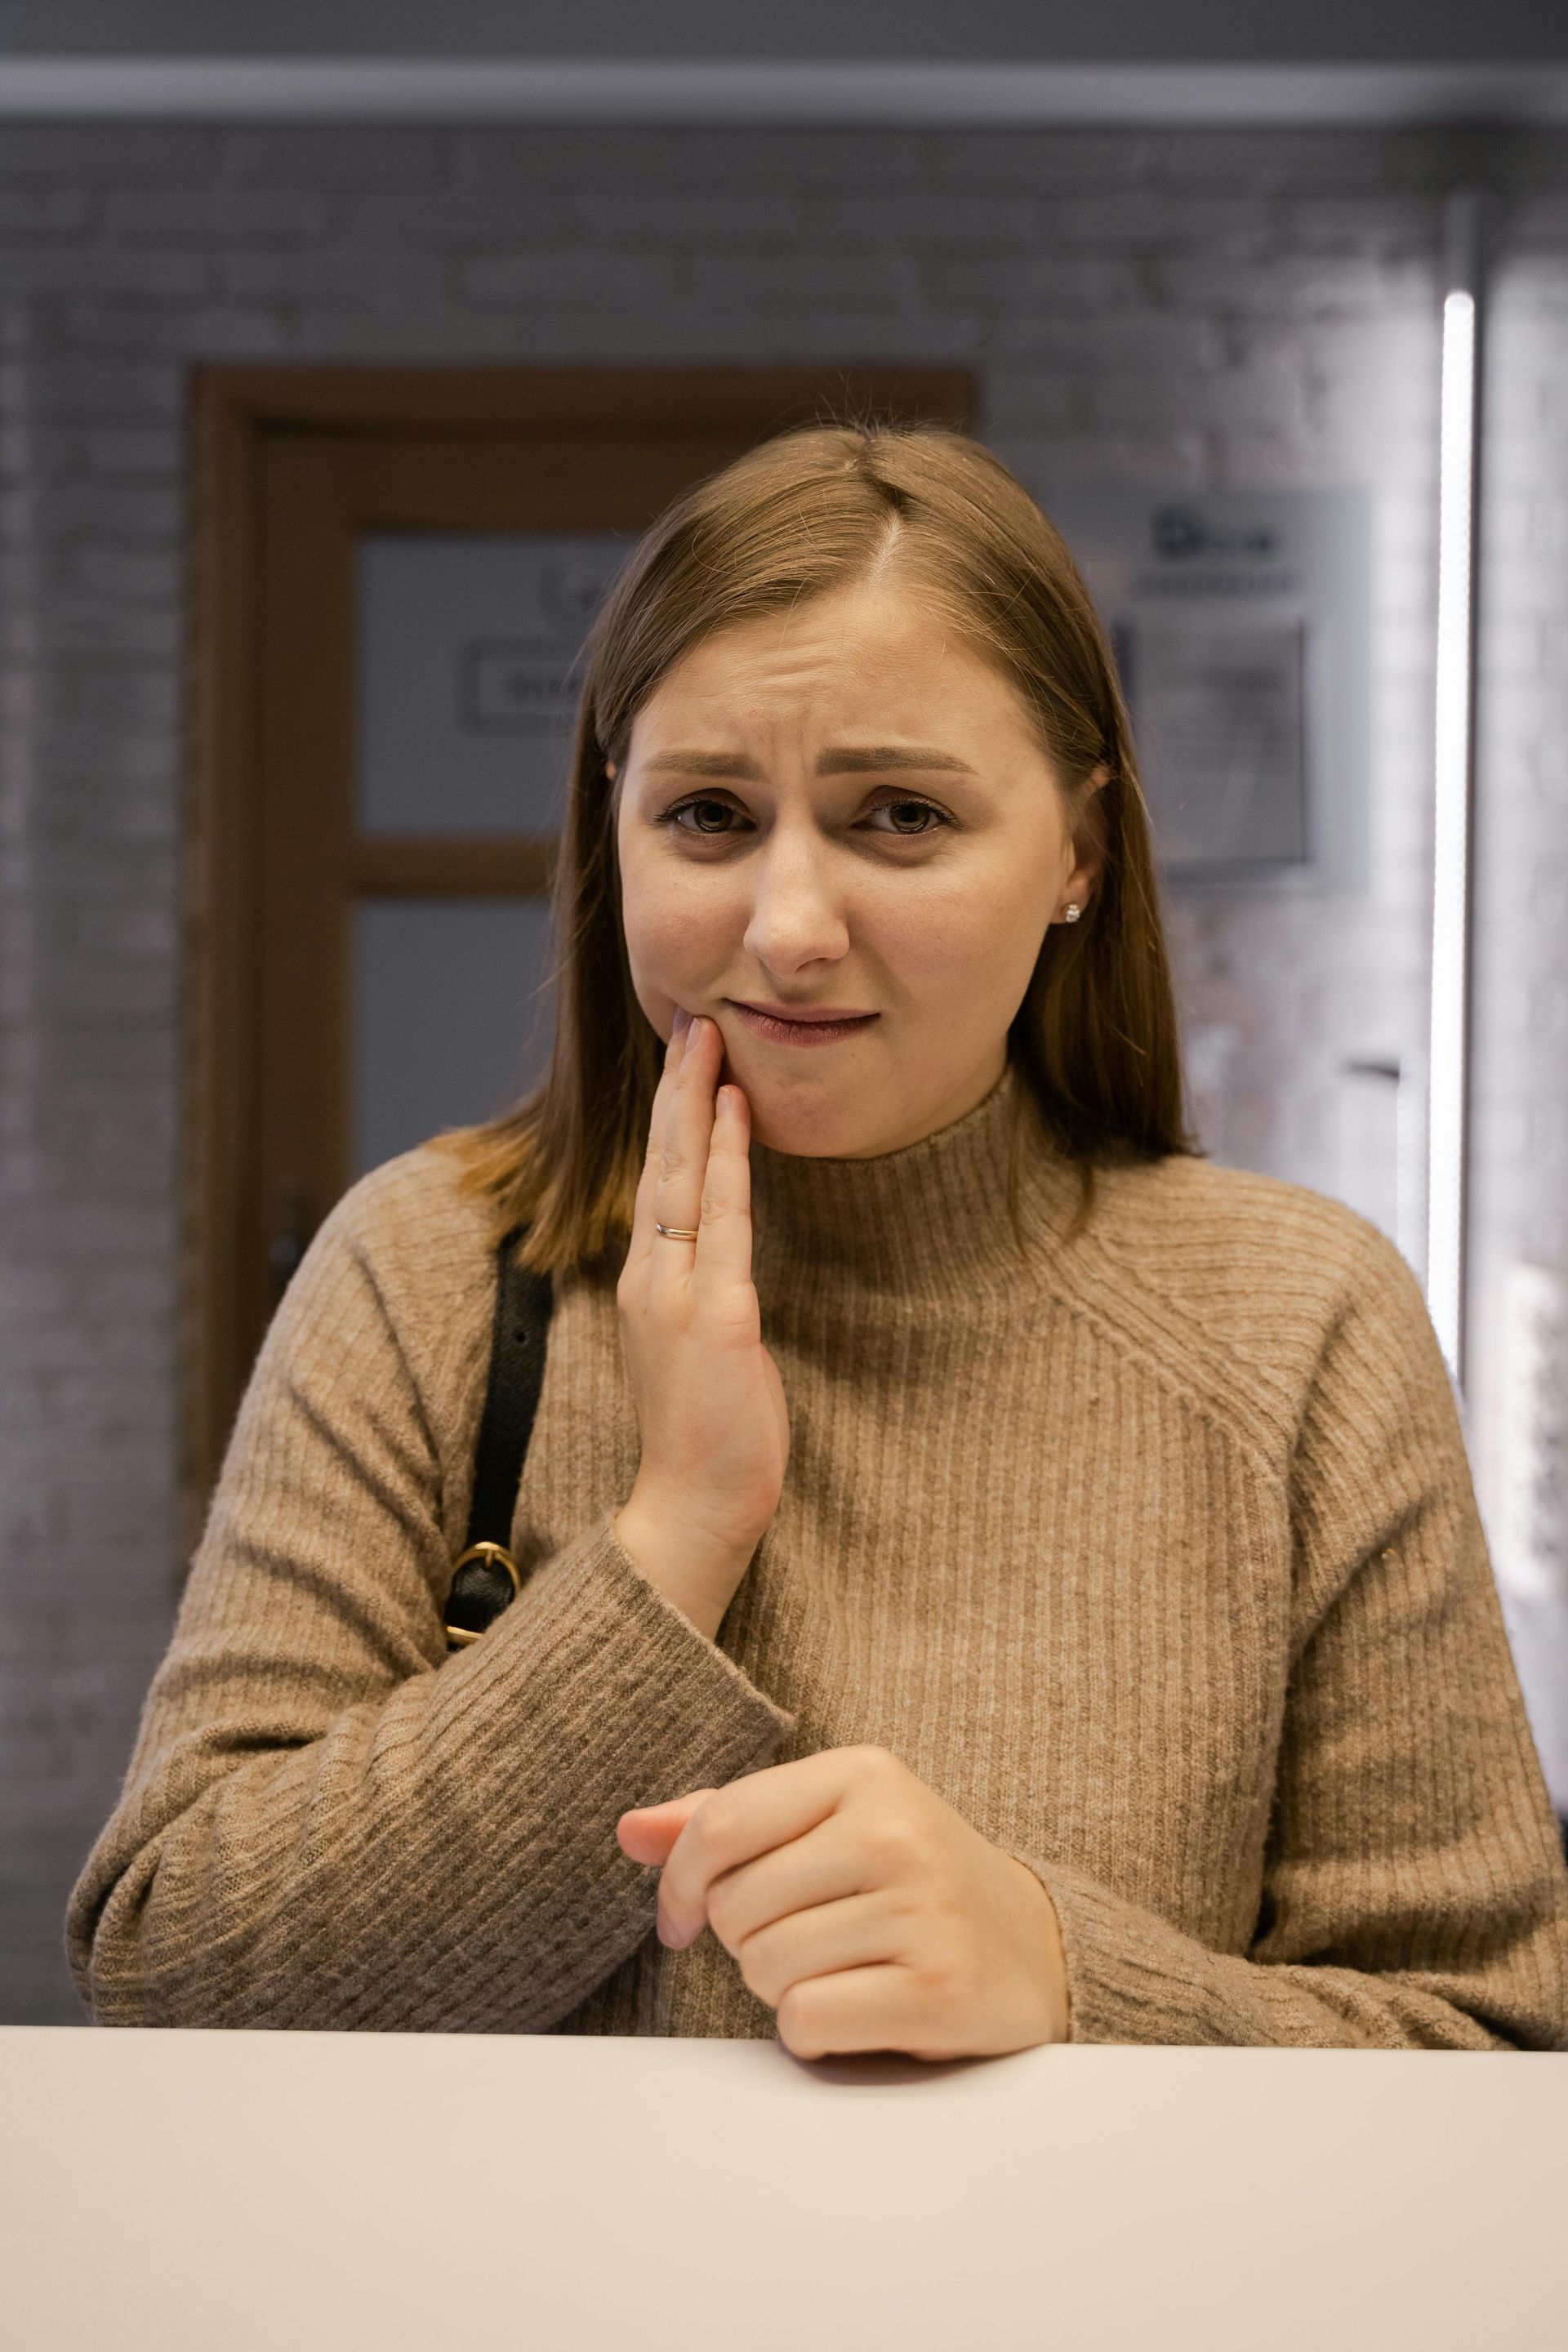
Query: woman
[[996, 1579]]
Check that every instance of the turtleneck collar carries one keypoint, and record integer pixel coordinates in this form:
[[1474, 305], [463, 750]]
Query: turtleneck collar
[[929, 1218]]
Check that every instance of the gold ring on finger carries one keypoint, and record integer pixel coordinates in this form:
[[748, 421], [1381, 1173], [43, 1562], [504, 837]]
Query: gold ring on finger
[[674, 1232]]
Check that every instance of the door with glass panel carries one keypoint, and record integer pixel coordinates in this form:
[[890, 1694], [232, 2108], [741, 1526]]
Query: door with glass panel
[[395, 573]]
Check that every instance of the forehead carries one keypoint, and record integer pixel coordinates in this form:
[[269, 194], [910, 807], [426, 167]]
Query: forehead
[[863, 657]]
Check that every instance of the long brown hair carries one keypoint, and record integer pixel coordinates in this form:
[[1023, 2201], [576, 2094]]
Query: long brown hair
[[1096, 1037]]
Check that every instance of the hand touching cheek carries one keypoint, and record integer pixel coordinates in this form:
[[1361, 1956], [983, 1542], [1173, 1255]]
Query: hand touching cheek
[[861, 1908]]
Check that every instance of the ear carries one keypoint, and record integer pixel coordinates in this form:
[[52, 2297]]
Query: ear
[[1088, 842]]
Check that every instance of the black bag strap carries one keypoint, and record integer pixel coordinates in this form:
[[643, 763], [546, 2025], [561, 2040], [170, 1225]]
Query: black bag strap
[[485, 1576]]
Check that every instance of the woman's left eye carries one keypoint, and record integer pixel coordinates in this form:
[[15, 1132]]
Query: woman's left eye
[[903, 809]]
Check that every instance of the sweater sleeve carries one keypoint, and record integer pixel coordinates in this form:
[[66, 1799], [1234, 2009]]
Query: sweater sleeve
[[1414, 1894], [328, 1821]]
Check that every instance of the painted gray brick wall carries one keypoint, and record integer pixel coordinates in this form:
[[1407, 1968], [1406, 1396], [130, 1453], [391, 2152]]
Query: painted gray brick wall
[[1194, 308], [1521, 879]]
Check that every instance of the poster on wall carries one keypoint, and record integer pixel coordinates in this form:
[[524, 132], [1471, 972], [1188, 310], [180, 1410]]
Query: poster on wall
[[468, 653], [1240, 624]]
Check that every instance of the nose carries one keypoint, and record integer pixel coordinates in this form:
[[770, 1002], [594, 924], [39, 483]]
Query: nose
[[796, 919]]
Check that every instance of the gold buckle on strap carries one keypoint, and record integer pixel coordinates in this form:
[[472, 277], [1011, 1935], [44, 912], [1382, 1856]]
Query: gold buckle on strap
[[461, 1636]]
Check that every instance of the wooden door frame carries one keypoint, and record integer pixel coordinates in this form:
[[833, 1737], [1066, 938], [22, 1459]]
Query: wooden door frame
[[235, 413]]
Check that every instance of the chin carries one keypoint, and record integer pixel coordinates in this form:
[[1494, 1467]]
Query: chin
[[802, 1140], [811, 1127]]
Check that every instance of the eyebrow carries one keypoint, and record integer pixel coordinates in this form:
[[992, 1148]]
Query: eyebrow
[[880, 760]]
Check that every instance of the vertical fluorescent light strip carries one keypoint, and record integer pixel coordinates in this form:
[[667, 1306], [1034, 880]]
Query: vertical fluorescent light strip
[[1448, 1058]]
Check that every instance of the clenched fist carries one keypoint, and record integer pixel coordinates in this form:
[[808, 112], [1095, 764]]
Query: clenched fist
[[861, 1908]]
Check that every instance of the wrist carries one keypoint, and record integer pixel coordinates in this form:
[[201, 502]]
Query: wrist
[[697, 1574], [1053, 1978]]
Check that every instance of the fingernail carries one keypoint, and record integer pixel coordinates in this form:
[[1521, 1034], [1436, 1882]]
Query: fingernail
[[682, 1021]]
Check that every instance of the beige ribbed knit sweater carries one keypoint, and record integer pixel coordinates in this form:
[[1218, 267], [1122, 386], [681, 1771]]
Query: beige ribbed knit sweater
[[1156, 1555]]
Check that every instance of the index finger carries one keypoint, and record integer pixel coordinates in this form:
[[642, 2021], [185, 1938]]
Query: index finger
[[738, 1822], [724, 1223], [646, 1832]]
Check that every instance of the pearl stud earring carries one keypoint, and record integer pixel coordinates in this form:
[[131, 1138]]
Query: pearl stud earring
[[1071, 911]]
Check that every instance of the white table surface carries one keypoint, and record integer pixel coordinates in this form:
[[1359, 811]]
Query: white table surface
[[226, 2192]]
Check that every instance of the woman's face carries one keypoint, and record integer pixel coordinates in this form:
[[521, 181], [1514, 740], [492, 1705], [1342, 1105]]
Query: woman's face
[[843, 808]]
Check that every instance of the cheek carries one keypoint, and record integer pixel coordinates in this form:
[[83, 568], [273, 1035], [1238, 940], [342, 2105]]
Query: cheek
[[965, 927], [678, 923]]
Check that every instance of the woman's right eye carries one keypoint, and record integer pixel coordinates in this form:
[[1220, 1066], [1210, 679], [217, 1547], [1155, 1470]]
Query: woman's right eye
[[704, 808]]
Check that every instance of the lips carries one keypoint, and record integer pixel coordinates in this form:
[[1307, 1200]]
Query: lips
[[806, 1032]]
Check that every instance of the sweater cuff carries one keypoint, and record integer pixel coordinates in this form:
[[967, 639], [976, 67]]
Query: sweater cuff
[[1131, 1976], [646, 1706]]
